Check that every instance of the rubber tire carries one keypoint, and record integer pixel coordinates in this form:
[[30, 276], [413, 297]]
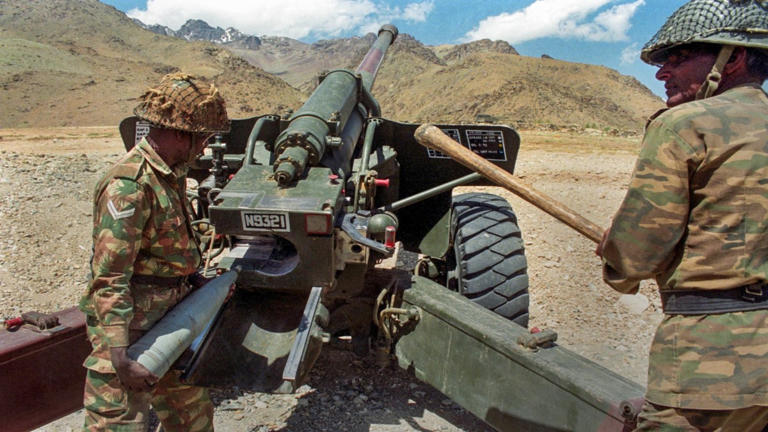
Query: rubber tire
[[491, 268]]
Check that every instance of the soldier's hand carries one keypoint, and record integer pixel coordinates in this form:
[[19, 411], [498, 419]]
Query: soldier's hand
[[132, 374], [198, 280], [230, 293], [601, 245]]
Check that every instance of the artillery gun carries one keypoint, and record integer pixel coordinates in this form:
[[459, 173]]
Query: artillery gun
[[315, 200], [304, 207]]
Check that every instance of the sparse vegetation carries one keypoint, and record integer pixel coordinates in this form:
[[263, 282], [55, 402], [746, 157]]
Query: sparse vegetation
[[575, 142], [45, 138], [100, 135]]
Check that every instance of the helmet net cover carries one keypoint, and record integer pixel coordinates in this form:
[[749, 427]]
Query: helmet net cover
[[723, 22], [184, 103]]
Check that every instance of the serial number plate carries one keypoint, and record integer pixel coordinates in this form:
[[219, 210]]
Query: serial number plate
[[487, 143], [253, 221]]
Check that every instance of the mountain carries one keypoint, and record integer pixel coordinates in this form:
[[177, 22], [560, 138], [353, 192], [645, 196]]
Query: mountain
[[457, 52], [80, 62], [199, 30], [513, 89], [485, 79], [296, 62]]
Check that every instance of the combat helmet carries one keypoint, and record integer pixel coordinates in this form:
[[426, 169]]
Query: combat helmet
[[185, 103], [728, 23]]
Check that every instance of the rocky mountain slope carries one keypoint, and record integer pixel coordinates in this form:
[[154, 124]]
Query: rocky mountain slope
[[65, 62], [81, 62], [199, 30], [518, 90], [485, 79]]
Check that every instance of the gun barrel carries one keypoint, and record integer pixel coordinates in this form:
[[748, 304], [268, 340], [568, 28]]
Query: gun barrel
[[325, 115], [372, 60]]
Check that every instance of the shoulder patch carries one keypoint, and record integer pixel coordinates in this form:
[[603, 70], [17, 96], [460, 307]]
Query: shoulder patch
[[119, 214], [129, 168]]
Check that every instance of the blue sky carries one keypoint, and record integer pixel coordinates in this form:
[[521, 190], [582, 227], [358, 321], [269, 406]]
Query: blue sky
[[602, 32]]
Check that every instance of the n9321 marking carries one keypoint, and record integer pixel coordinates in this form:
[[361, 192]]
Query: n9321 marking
[[272, 222]]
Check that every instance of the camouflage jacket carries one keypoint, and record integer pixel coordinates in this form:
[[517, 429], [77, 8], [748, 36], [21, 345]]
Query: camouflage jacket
[[140, 226], [696, 217]]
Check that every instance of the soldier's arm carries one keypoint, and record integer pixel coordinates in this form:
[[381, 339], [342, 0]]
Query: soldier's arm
[[122, 212], [653, 217]]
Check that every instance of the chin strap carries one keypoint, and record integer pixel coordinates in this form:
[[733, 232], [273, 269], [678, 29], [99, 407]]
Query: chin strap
[[709, 87]]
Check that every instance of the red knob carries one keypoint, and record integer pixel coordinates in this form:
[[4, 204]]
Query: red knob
[[389, 237], [14, 322]]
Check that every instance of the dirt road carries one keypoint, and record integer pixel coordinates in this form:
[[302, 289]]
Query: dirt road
[[46, 180]]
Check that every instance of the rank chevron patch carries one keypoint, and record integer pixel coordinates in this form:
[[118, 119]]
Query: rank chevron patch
[[116, 214]]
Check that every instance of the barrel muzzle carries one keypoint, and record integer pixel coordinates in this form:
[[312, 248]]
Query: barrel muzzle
[[389, 28]]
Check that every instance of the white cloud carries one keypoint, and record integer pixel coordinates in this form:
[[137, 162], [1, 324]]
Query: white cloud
[[294, 18], [630, 54], [611, 25], [559, 18], [418, 11], [415, 12]]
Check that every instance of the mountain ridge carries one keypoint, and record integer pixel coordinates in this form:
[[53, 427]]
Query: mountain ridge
[[80, 62]]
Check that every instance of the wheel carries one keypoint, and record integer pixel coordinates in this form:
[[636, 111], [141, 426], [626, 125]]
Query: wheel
[[490, 265]]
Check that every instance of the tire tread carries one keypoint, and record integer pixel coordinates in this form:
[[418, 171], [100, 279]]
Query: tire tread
[[490, 255]]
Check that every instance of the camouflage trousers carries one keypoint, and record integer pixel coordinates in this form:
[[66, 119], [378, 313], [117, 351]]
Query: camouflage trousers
[[669, 419], [180, 407]]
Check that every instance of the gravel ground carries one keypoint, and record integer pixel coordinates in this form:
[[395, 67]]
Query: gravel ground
[[46, 181]]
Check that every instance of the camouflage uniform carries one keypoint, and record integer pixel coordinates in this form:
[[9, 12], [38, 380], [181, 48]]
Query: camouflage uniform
[[141, 227], [695, 217]]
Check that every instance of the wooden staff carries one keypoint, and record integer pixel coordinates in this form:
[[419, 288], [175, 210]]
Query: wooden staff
[[431, 136]]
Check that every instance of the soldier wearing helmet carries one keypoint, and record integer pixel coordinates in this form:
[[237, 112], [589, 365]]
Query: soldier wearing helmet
[[145, 260], [695, 218]]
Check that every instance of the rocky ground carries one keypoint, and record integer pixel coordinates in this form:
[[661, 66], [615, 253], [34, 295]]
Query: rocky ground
[[46, 180]]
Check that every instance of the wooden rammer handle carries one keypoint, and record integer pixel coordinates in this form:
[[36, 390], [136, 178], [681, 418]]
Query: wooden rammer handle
[[431, 136]]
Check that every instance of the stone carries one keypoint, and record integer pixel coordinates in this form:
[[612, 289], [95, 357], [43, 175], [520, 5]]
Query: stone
[[636, 303]]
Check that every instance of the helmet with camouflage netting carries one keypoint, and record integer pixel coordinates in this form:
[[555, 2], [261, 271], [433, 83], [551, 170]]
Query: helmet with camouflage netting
[[185, 103], [721, 22]]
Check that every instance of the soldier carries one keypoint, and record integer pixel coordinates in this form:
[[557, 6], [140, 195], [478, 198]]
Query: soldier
[[695, 218], [145, 260]]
